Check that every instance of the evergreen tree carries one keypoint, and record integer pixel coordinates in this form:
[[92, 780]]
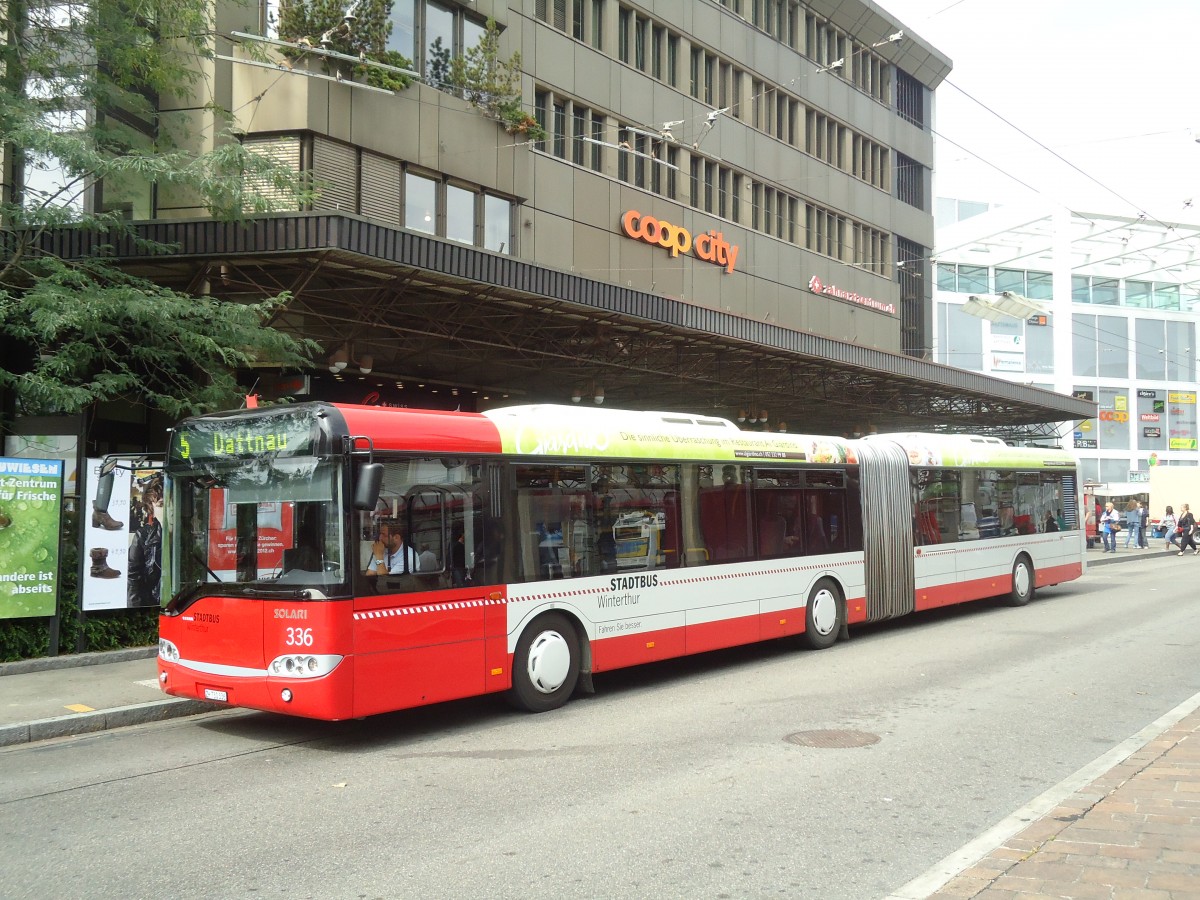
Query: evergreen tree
[[361, 29], [79, 108], [493, 84]]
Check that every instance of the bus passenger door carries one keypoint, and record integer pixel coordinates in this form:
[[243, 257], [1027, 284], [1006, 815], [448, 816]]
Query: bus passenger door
[[937, 510]]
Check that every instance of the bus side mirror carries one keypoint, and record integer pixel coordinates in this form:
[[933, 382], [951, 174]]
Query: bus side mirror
[[366, 488]]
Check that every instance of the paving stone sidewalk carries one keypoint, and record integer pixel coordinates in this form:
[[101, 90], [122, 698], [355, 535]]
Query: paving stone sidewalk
[[1132, 834]]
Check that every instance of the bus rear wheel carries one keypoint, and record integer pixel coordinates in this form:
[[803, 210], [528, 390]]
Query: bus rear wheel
[[1023, 581], [545, 664], [823, 615]]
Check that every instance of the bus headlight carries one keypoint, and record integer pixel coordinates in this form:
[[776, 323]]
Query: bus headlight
[[167, 651], [303, 665]]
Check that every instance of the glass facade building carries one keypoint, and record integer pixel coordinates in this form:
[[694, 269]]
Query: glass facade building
[[1119, 303]]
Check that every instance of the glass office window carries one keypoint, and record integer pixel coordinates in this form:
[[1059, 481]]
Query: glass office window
[[1081, 289], [1181, 351], [1112, 338], [439, 44], [559, 130], [962, 342], [1150, 362], [1089, 470], [973, 279], [497, 224], [1166, 296], [1011, 280], [1113, 434], [1105, 291], [1039, 286], [1114, 470], [420, 203], [1138, 293], [460, 214], [473, 33], [1083, 345], [1039, 347], [947, 277], [403, 37], [970, 208]]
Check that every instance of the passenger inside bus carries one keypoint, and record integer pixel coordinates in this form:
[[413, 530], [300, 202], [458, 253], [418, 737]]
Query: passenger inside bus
[[459, 574], [815, 536], [427, 559], [391, 554]]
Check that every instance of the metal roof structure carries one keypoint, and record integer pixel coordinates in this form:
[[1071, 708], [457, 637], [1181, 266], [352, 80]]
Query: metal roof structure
[[427, 308], [1102, 245]]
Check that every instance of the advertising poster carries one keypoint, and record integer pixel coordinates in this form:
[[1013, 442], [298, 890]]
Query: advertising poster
[[274, 535], [1151, 419], [47, 446], [31, 494], [122, 540], [1182, 405]]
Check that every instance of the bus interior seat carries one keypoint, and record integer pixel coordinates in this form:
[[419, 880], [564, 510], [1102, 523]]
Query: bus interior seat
[[772, 530], [723, 522]]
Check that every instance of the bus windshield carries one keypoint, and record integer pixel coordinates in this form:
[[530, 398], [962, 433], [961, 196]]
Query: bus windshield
[[261, 522]]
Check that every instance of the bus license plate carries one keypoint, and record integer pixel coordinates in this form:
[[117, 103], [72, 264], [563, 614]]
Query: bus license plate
[[214, 694]]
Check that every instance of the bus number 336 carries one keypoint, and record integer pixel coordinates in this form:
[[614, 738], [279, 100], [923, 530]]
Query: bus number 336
[[299, 637]]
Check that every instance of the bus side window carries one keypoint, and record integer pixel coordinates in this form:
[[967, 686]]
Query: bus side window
[[725, 517], [430, 501]]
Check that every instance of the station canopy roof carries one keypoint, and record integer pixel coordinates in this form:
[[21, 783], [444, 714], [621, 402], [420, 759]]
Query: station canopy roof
[[429, 309]]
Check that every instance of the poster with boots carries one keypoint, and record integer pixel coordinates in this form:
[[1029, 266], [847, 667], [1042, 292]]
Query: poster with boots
[[122, 538], [104, 521]]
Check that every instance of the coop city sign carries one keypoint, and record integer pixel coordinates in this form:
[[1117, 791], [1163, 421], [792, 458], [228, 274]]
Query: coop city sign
[[710, 246]]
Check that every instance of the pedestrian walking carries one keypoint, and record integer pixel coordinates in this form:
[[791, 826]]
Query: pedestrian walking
[[1144, 526], [1133, 524], [1187, 533], [1168, 525], [1110, 524]]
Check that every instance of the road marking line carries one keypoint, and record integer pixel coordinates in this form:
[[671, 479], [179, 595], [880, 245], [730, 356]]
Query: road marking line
[[79, 707], [150, 683], [969, 854]]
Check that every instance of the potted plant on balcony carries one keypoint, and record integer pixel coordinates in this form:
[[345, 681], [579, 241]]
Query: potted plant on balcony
[[360, 29], [493, 85]]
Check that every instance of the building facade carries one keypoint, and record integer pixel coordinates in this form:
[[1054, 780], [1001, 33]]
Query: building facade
[[723, 207], [1120, 301]]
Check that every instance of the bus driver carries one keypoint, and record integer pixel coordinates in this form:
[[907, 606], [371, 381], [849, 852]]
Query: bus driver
[[391, 554]]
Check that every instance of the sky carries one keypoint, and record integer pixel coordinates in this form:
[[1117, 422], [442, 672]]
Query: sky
[[1094, 104]]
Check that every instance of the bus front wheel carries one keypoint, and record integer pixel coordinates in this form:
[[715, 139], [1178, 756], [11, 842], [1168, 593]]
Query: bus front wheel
[[1023, 581], [823, 615], [545, 665]]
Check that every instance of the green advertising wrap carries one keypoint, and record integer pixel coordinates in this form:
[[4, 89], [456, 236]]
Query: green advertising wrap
[[31, 492]]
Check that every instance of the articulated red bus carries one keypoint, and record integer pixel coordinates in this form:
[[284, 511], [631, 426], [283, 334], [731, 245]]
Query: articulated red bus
[[339, 561]]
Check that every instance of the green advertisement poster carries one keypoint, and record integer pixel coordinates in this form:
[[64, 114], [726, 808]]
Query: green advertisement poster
[[31, 492]]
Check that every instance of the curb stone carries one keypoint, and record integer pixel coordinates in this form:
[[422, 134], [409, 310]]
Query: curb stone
[[101, 720], [69, 660]]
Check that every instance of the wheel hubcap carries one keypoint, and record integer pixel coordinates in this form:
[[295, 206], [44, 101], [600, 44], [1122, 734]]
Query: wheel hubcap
[[824, 611], [1021, 579], [549, 661]]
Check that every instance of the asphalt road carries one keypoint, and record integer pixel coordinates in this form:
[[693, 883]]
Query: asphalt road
[[677, 780]]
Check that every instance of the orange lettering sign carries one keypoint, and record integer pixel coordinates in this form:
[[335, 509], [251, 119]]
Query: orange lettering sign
[[710, 247]]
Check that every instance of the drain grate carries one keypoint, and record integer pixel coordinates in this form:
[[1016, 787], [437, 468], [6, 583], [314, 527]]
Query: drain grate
[[834, 739]]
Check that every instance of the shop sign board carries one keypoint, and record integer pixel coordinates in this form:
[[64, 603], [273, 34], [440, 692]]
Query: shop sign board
[[31, 498]]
